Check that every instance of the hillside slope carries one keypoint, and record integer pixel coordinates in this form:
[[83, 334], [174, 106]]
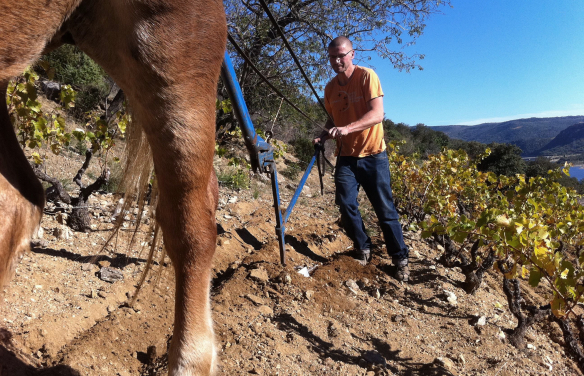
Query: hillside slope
[[60, 318], [569, 141]]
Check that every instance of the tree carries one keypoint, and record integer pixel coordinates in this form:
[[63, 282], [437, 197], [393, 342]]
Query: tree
[[381, 27], [505, 159]]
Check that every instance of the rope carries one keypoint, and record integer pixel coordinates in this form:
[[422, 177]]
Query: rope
[[265, 79], [275, 23]]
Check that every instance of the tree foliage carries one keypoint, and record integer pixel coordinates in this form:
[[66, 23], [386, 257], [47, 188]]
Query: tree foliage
[[69, 65], [376, 27]]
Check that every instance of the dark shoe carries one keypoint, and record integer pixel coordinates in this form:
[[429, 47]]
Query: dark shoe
[[363, 257], [402, 272]]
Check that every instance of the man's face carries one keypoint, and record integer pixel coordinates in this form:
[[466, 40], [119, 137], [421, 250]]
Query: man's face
[[341, 58]]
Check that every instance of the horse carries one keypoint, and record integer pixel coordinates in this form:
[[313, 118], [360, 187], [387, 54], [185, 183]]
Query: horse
[[166, 55]]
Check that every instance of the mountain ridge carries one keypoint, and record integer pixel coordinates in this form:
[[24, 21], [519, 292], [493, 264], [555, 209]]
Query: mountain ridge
[[532, 135]]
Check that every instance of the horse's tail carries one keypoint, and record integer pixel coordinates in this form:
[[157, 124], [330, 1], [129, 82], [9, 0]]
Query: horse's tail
[[138, 181]]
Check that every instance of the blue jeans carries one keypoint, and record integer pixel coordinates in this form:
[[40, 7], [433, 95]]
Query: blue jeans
[[372, 173]]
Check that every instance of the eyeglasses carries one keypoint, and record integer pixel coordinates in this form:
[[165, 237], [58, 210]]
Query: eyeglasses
[[340, 57]]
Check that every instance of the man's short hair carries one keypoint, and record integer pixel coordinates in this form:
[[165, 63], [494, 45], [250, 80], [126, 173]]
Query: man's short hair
[[340, 41]]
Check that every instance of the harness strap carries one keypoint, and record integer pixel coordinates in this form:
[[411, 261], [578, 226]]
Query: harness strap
[[321, 162]]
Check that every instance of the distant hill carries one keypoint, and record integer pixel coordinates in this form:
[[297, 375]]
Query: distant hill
[[569, 141], [531, 135]]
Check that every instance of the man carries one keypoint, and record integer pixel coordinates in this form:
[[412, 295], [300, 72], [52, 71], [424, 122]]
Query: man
[[355, 102]]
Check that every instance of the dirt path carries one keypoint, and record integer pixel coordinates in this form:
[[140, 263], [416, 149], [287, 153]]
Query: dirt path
[[60, 318]]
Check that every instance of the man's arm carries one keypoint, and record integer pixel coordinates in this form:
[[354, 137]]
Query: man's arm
[[371, 117]]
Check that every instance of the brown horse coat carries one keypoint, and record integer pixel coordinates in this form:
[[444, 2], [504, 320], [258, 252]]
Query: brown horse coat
[[166, 56]]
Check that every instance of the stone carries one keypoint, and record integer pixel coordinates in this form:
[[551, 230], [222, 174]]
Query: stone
[[397, 318], [61, 218], [374, 357], [445, 363], [110, 308], [480, 321], [259, 275], [110, 275], [460, 359], [62, 233], [255, 299], [87, 267], [450, 297], [308, 294], [352, 285], [284, 278], [266, 310]]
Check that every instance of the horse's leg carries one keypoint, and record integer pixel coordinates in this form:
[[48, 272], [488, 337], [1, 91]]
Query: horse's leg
[[22, 197], [166, 56], [26, 28]]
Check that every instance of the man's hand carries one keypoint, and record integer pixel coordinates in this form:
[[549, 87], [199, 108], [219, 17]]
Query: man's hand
[[338, 132]]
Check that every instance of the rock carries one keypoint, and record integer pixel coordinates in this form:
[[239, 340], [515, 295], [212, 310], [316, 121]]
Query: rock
[[62, 233], [101, 294], [446, 363], [397, 318], [257, 371], [377, 294], [530, 346], [232, 200], [374, 357], [259, 275], [284, 278], [308, 294], [61, 218], [450, 297], [333, 330], [439, 247], [92, 294], [104, 263], [480, 321], [266, 310], [87, 267], [110, 308], [501, 336], [460, 359], [137, 307], [40, 233], [110, 275], [352, 285], [255, 299]]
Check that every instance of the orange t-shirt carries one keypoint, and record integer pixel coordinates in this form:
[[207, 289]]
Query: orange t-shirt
[[349, 103]]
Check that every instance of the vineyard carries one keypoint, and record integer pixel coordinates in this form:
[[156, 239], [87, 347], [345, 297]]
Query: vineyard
[[501, 239]]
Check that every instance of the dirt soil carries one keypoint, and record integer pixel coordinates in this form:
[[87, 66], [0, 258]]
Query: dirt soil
[[59, 318]]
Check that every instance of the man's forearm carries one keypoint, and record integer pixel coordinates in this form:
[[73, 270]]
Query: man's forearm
[[367, 121]]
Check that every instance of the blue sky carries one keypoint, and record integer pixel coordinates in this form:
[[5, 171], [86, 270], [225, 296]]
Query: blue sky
[[492, 60]]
